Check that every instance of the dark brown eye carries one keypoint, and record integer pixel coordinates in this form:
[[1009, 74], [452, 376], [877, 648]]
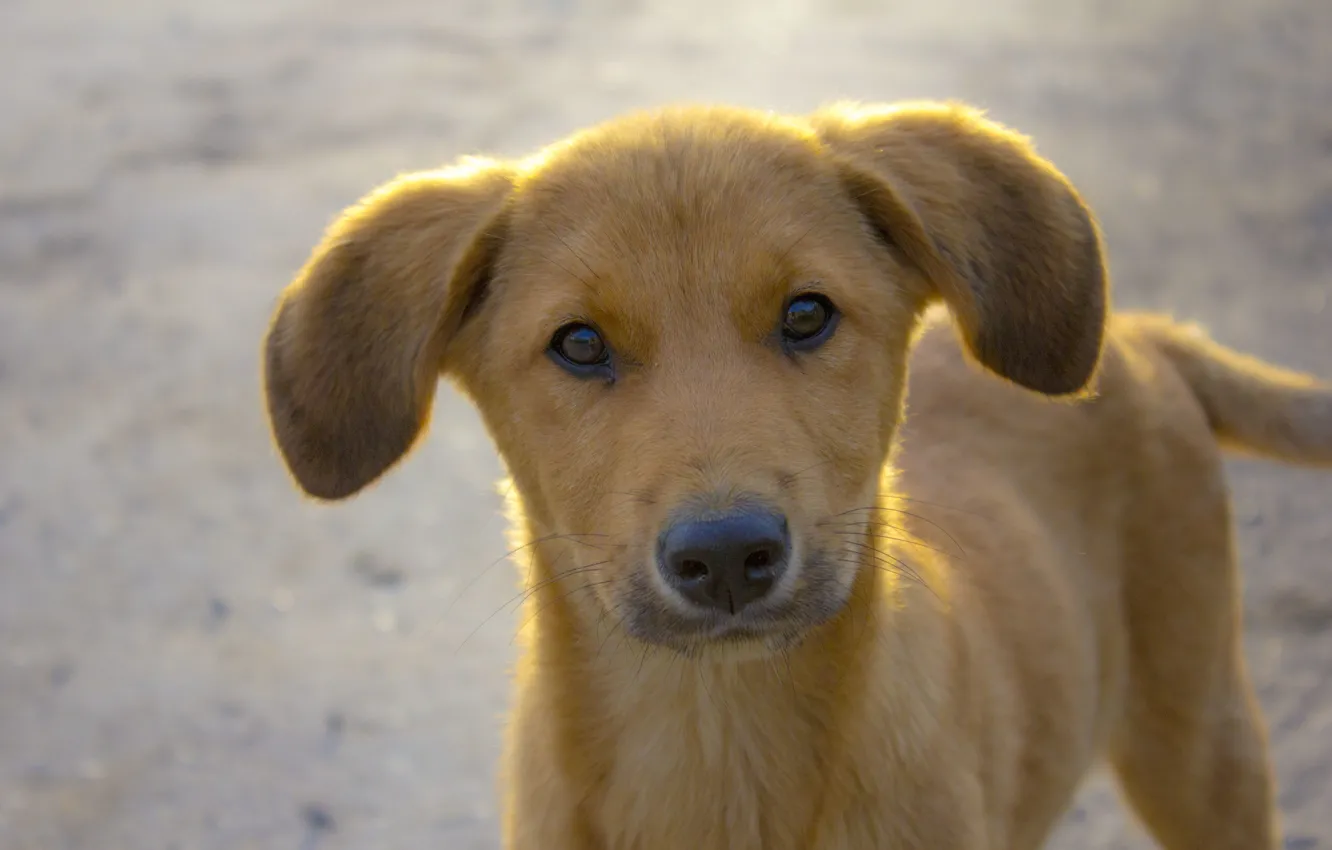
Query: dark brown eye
[[579, 346], [808, 321]]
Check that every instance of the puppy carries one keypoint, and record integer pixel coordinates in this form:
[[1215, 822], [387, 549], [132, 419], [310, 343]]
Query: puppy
[[772, 605]]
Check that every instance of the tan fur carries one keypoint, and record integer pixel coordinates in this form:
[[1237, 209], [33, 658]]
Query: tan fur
[[1024, 586]]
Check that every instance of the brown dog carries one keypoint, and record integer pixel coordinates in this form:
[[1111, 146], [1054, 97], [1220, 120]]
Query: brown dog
[[771, 610]]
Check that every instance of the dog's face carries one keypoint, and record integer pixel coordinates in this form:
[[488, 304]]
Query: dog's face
[[692, 363], [687, 334]]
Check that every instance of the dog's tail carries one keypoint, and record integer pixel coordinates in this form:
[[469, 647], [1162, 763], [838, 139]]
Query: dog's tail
[[1253, 407]]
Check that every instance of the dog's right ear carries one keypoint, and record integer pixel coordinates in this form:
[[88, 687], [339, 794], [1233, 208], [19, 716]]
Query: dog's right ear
[[359, 338], [1001, 235]]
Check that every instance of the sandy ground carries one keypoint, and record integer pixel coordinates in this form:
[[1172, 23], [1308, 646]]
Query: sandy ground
[[192, 657]]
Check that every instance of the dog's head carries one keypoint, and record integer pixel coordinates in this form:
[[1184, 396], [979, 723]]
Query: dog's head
[[687, 333]]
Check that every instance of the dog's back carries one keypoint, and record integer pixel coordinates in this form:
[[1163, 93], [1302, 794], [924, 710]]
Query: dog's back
[[1117, 508]]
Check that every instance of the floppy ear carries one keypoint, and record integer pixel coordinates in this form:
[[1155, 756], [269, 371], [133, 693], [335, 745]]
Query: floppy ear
[[358, 339], [1001, 235]]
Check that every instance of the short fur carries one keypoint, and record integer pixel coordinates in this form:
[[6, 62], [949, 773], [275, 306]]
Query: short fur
[[988, 596]]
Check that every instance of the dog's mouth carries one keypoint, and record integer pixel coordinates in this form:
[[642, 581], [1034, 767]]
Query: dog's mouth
[[745, 638], [816, 596]]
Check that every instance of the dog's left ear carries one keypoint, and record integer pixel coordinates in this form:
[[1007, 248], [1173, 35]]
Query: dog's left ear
[[359, 338], [1000, 235]]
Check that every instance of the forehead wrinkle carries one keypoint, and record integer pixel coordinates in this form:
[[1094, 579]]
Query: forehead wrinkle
[[678, 231], [674, 167]]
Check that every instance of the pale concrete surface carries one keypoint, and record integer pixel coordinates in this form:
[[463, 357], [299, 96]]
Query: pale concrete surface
[[191, 657]]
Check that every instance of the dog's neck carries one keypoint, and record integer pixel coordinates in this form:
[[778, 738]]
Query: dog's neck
[[773, 711]]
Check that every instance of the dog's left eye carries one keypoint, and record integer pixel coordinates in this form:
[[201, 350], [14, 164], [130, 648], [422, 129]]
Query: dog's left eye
[[808, 322], [580, 349]]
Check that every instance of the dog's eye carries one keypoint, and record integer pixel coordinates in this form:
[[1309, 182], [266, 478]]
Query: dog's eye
[[580, 348], [808, 322]]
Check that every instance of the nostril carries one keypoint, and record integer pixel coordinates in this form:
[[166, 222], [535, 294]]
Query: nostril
[[725, 562], [761, 558], [758, 565], [691, 570]]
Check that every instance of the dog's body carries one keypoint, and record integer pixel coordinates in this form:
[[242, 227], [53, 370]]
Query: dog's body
[[953, 639], [1078, 599]]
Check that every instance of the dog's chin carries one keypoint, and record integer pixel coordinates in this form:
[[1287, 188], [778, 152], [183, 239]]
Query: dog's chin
[[728, 639], [769, 628], [736, 645], [742, 649]]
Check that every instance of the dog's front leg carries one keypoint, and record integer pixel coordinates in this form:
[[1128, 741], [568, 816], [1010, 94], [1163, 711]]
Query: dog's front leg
[[872, 833], [930, 816], [544, 806], [526, 830], [541, 816]]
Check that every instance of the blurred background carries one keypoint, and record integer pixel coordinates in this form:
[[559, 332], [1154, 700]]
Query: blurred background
[[193, 657]]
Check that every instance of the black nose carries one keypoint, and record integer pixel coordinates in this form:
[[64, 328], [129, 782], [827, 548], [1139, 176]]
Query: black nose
[[728, 562]]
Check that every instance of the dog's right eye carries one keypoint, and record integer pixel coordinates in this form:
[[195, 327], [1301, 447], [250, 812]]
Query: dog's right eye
[[581, 349], [810, 319]]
